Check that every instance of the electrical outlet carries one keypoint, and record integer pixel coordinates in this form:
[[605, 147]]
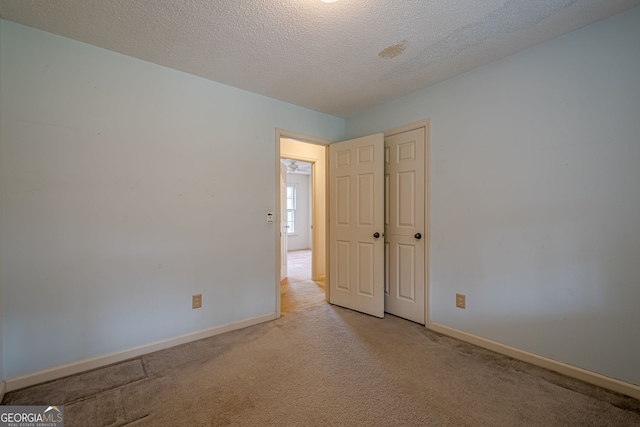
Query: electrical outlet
[[196, 301], [461, 301]]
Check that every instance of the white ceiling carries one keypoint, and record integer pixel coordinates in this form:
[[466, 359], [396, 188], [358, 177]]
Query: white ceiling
[[339, 58], [297, 166]]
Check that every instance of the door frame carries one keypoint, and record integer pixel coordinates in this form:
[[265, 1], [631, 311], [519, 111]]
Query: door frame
[[307, 139], [427, 203]]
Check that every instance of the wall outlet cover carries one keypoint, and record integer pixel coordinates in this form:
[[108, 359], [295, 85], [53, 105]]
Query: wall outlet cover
[[196, 301], [461, 301]]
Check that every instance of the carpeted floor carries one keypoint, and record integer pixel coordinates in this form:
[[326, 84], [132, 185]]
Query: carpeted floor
[[327, 366], [298, 291], [321, 365]]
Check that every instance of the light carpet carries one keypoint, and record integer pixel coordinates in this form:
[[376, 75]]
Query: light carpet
[[328, 366]]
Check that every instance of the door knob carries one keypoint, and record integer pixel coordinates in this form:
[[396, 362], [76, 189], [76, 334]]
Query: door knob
[[376, 234], [418, 236]]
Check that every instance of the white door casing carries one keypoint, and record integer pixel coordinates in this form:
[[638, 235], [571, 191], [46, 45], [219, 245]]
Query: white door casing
[[405, 231], [356, 191], [283, 223]]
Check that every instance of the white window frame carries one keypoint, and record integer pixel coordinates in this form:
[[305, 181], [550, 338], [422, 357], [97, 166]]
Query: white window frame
[[291, 208]]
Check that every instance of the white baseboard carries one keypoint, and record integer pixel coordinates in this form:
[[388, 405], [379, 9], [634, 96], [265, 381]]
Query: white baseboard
[[97, 362], [544, 362]]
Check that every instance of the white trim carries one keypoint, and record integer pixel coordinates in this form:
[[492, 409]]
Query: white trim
[[544, 362], [3, 389], [327, 212], [277, 232], [409, 127], [308, 139], [100, 361]]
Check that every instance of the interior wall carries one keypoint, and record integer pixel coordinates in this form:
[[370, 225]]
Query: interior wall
[[117, 202], [301, 239], [1, 243], [290, 148], [534, 196]]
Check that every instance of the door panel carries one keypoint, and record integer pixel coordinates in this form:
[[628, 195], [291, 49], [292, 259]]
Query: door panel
[[366, 198], [405, 198], [343, 207], [365, 269], [356, 194], [342, 279], [406, 268], [387, 254], [405, 194]]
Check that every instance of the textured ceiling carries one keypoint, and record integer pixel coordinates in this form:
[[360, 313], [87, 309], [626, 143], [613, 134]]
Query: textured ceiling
[[338, 58]]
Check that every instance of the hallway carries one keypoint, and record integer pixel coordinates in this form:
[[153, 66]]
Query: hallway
[[298, 291]]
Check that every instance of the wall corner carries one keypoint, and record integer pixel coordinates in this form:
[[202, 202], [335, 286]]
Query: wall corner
[[2, 387]]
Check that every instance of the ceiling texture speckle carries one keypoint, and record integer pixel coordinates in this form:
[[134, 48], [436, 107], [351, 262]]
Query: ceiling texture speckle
[[338, 58]]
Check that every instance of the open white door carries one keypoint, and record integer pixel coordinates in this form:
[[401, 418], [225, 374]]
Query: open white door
[[356, 224]]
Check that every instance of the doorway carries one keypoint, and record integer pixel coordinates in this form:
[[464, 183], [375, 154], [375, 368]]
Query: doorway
[[298, 289], [301, 284]]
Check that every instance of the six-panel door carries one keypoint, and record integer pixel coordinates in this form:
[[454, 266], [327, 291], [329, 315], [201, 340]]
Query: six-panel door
[[356, 221], [405, 225]]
